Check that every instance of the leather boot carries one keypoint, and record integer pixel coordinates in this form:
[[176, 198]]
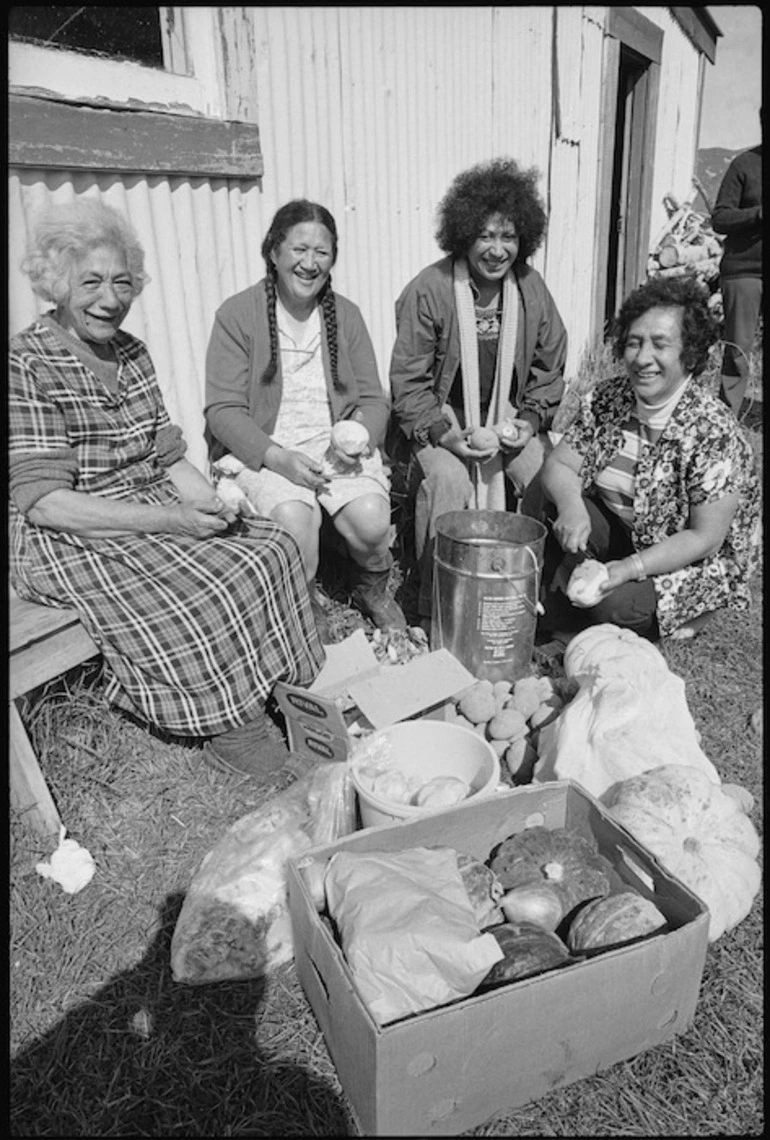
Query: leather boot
[[372, 597], [246, 750]]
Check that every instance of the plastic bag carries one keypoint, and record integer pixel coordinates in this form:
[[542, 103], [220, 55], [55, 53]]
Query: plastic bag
[[234, 923], [408, 929]]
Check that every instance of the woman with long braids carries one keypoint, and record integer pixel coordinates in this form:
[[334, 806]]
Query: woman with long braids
[[289, 358]]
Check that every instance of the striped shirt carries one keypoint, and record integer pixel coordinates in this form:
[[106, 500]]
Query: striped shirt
[[616, 483]]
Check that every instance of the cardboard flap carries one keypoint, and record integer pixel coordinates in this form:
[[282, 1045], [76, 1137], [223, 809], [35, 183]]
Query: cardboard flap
[[353, 657], [402, 691]]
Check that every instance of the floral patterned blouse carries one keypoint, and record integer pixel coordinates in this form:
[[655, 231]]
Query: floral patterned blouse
[[700, 456]]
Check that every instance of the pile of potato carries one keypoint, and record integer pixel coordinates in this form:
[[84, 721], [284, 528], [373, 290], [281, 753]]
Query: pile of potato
[[510, 717]]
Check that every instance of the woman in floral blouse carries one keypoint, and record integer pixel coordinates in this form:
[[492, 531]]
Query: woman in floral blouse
[[655, 479]]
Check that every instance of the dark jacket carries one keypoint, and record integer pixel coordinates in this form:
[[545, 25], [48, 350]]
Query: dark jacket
[[426, 355], [738, 213]]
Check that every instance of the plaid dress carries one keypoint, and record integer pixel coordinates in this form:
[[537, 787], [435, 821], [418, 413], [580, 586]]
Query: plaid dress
[[194, 632]]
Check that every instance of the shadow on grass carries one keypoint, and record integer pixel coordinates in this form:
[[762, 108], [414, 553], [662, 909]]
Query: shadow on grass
[[149, 1057]]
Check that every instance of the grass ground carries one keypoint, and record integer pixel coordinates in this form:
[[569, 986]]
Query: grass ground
[[104, 1043]]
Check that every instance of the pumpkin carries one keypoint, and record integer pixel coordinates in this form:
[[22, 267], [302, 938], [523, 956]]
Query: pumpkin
[[528, 950], [699, 833], [560, 858], [611, 921]]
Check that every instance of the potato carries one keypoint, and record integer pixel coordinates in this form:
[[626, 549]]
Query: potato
[[484, 439], [350, 437], [500, 746], [520, 758], [442, 791], [507, 430], [478, 703], [528, 693], [586, 581], [546, 712], [507, 725]]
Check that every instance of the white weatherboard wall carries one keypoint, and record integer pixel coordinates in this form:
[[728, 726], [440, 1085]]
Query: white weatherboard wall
[[678, 116], [372, 111]]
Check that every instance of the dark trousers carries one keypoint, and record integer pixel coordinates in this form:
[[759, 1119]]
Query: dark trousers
[[742, 301], [631, 606]]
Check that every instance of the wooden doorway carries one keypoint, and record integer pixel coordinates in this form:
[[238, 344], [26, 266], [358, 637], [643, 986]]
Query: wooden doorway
[[628, 123]]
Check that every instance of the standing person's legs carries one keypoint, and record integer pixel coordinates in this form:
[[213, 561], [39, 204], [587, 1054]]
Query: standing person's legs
[[742, 301], [445, 486]]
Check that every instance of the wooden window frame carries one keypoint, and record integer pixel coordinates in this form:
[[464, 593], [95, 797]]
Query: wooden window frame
[[92, 120], [47, 133]]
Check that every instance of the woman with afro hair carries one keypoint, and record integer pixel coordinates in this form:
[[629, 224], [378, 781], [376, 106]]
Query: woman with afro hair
[[654, 480], [289, 360], [479, 345]]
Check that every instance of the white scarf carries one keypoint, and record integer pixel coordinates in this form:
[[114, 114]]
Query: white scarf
[[489, 477]]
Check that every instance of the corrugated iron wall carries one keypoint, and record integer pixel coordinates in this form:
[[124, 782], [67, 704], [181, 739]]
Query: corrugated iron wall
[[372, 111]]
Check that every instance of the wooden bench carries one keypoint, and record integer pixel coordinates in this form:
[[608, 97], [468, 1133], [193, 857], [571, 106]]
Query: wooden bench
[[44, 643]]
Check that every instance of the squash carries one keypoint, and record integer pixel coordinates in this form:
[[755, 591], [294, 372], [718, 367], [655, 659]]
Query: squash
[[699, 833], [560, 858], [528, 950], [611, 921]]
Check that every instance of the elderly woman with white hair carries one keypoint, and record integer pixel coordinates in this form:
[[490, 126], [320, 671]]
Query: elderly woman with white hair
[[197, 610]]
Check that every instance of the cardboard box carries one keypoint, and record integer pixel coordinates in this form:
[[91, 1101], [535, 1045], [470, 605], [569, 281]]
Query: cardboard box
[[353, 683], [450, 1069]]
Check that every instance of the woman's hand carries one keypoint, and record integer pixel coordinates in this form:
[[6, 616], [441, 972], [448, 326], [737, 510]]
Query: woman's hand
[[512, 444], [201, 518], [297, 468], [572, 527], [457, 440]]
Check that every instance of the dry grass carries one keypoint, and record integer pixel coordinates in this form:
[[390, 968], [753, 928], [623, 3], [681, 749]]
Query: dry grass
[[104, 1043]]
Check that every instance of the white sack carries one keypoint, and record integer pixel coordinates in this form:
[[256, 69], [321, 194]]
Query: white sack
[[630, 714]]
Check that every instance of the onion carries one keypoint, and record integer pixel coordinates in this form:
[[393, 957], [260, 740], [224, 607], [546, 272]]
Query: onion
[[540, 905]]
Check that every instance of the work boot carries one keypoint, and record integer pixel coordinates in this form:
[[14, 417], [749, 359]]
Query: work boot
[[372, 597], [246, 750]]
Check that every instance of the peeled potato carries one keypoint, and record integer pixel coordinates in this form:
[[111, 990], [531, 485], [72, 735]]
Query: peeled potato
[[484, 439], [442, 791], [586, 580], [392, 785], [350, 437]]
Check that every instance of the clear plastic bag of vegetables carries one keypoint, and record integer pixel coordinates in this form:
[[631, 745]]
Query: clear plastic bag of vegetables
[[234, 923]]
